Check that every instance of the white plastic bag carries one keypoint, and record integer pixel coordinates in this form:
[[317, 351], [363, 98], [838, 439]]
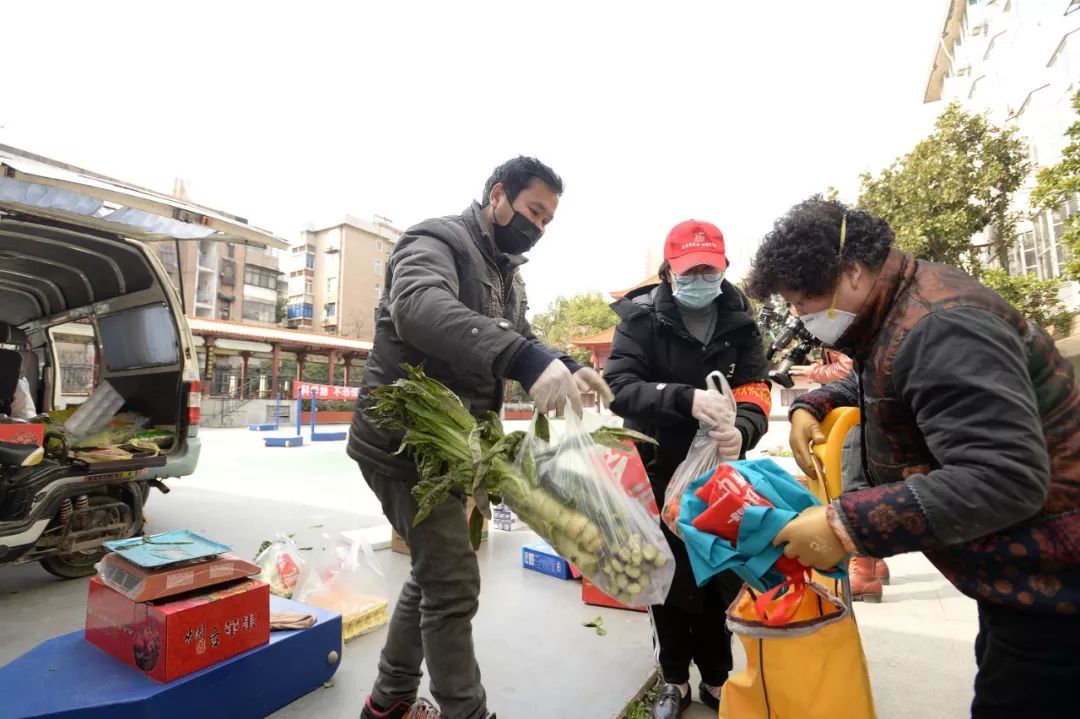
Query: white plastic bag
[[585, 513], [95, 414], [347, 579], [281, 565], [704, 456]]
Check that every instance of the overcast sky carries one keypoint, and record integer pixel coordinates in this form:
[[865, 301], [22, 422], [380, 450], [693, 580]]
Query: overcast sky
[[652, 112]]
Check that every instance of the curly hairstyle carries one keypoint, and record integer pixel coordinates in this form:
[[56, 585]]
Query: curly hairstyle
[[516, 174], [802, 252]]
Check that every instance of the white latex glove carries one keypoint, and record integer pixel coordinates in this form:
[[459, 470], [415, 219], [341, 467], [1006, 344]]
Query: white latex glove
[[554, 388], [728, 441], [589, 380], [711, 408]]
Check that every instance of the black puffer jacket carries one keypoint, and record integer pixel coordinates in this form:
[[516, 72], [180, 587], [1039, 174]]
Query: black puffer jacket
[[656, 365], [654, 368]]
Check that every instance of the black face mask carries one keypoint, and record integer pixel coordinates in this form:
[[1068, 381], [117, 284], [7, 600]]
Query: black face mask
[[517, 236]]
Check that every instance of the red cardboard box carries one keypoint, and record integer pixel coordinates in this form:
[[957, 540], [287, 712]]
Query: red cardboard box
[[23, 433], [590, 594], [173, 638]]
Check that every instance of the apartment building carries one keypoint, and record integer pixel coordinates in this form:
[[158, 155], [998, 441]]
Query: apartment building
[[224, 281], [335, 276], [1019, 62]]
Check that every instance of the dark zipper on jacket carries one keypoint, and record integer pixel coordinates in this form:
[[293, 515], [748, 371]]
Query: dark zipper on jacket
[[862, 424]]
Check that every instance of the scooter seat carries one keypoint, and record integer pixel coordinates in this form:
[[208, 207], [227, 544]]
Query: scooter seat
[[20, 455]]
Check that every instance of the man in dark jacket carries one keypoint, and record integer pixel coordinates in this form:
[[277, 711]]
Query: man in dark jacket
[[970, 443], [454, 302], [666, 344]]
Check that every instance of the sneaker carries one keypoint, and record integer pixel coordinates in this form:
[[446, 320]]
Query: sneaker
[[402, 709], [423, 709]]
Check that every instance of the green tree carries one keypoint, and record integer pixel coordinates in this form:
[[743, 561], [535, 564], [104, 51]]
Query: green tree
[[569, 318], [1058, 184], [955, 183], [1038, 300]]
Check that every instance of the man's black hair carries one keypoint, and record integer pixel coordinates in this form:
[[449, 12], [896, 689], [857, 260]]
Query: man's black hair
[[802, 253], [516, 174]]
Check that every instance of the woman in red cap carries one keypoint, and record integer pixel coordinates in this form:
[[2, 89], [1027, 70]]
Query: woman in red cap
[[670, 337]]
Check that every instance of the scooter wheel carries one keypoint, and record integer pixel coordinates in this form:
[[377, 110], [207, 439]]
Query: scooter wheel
[[73, 566]]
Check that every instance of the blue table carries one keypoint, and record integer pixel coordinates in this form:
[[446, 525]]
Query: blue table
[[69, 677]]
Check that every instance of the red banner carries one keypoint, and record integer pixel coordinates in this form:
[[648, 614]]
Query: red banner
[[307, 390]]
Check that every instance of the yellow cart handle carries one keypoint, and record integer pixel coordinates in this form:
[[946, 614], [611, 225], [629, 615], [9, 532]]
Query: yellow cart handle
[[827, 457]]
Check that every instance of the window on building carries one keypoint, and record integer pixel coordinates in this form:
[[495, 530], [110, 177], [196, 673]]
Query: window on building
[[299, 311], [1062, 59], [331, 286], [331, 309], [378, 246], [1044, 245], [260, 277], [230, 250], [309, 286], [310, 261], [378, 267], [228, 272], [1060, 214], [990, 45], [224, 310], [378, 292], [975, 86], [259, 311], [1025, 259]]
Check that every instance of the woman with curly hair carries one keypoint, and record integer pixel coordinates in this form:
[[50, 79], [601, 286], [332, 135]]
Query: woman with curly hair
[[970, 442]]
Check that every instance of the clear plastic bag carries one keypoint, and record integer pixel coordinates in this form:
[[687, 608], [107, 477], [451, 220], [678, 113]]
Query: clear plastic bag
[[95, 414], [582, 509], [347, 579], [281, 565], [704, 457]]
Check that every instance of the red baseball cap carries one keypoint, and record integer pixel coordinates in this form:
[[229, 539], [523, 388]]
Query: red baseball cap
[[694, 243]]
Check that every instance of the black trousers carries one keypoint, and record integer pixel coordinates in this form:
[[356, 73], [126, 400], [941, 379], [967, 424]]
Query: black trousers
[[1029, 664], [682, 636]]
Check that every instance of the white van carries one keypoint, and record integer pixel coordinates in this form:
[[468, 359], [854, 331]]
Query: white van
[[76, 260]]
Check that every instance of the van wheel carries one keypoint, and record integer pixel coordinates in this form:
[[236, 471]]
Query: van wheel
[[73, 566]]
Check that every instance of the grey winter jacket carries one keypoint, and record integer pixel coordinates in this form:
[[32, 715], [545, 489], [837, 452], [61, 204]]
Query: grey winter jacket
[[455, 304]]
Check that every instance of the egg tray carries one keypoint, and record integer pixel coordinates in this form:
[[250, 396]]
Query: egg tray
[[359, 623]]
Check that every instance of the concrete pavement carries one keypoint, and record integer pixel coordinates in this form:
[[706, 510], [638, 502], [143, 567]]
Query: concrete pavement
[[536, 657]]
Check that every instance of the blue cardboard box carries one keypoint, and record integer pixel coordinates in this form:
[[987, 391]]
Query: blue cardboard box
[[542, 557]]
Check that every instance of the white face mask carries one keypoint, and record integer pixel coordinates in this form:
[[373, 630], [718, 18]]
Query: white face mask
[[828, 325]]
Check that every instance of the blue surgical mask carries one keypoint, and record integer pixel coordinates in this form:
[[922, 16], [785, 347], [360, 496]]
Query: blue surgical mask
[[694, 291]]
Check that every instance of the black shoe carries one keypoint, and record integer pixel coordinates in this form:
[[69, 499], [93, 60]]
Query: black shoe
[[707, 698], [669, 702]]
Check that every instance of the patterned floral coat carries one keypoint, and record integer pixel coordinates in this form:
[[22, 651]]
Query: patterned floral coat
[[970, 438]]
